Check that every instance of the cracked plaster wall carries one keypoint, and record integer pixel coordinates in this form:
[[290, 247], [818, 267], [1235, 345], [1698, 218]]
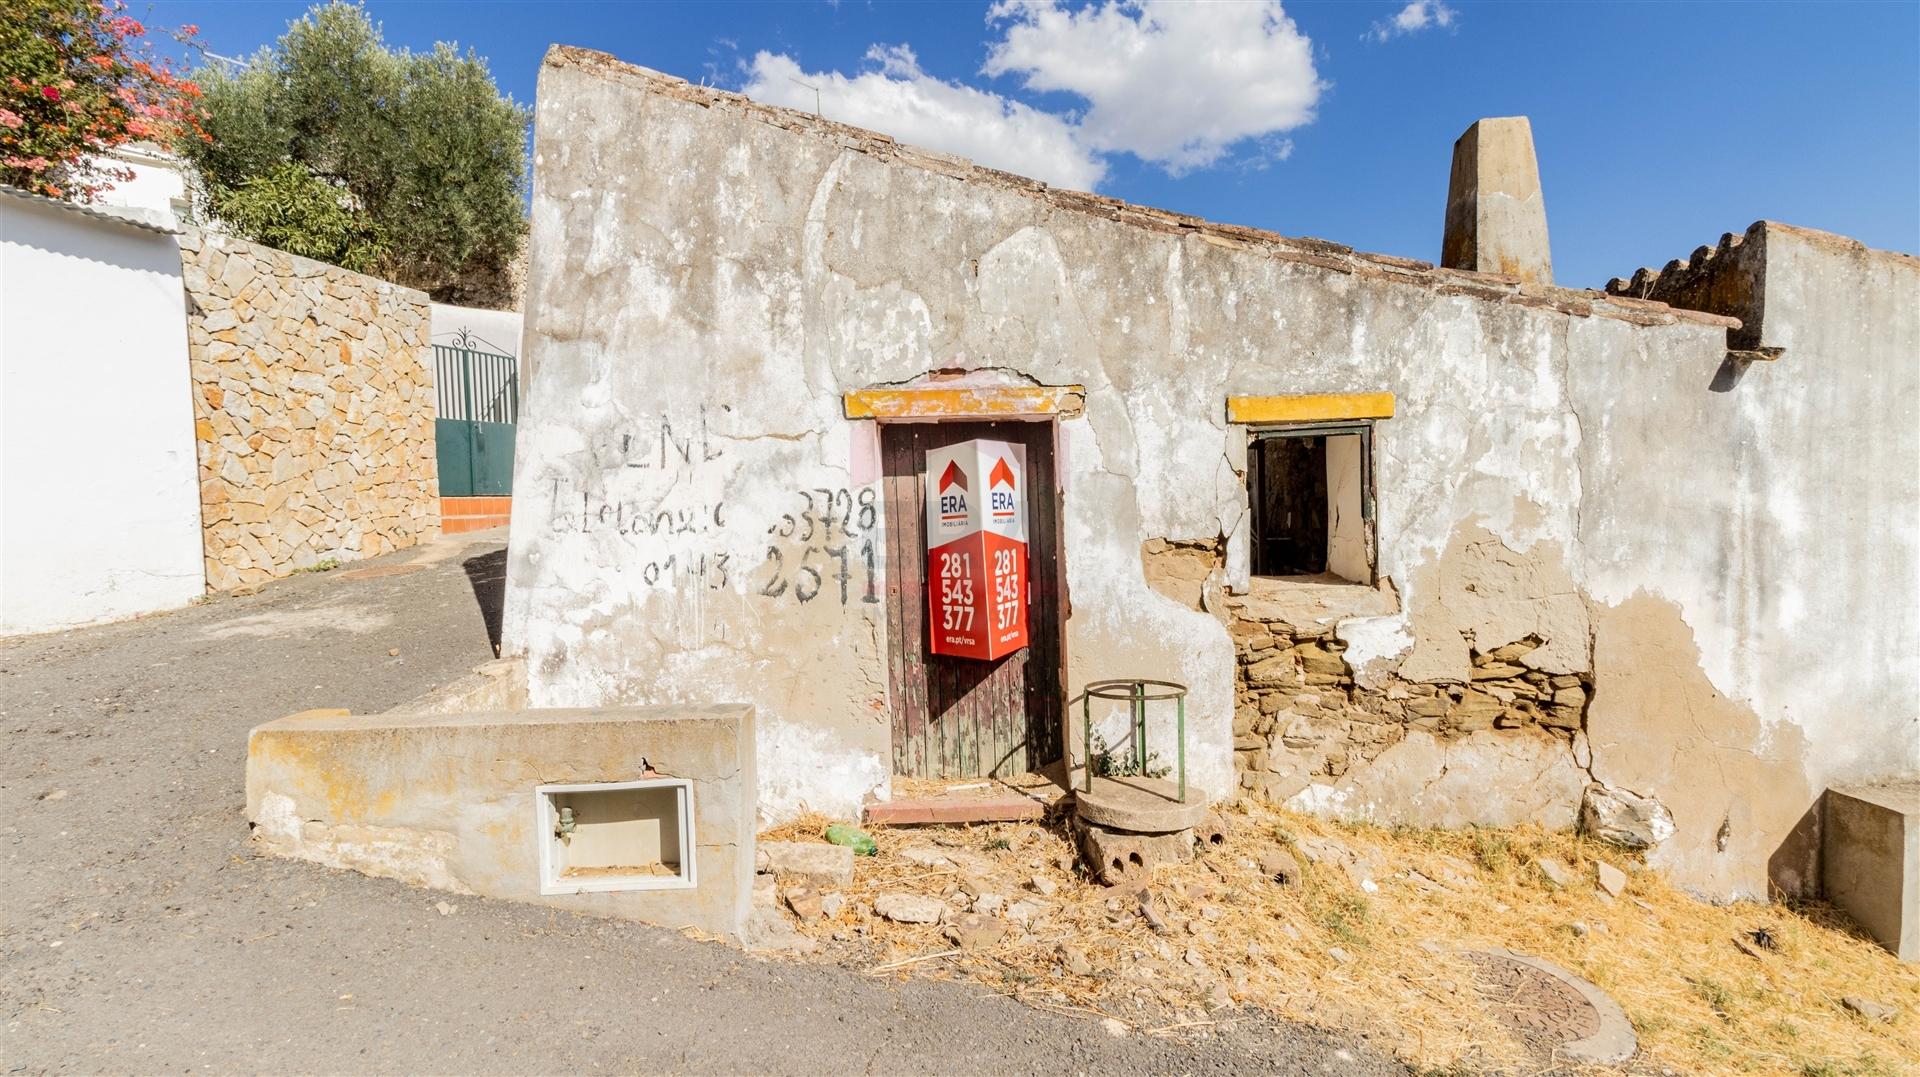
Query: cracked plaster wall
[[707, 283], [1758, 520]]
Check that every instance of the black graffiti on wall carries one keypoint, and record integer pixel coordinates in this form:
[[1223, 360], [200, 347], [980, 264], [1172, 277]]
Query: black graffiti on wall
[[659, 448], [828, 545], [855, 516]]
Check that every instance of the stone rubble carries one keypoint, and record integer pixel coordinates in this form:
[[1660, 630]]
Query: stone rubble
[[816, 864], [909, 908], [976, 931], [1624, 818], [1869, 1009], [1556, 871], [1611, 880]]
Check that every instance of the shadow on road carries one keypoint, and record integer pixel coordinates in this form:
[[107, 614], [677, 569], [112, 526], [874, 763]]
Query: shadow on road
[[488, 575]]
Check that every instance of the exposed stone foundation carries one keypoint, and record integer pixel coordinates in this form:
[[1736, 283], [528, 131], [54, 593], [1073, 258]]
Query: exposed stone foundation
[[1301, 717]]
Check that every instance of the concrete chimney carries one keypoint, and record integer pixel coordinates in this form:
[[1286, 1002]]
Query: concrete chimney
[[1496, 217]]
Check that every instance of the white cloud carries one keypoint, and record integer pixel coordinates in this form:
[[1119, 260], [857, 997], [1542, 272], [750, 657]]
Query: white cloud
[[1172, 83], [1418, 15], [1176, 84], [900, 100]]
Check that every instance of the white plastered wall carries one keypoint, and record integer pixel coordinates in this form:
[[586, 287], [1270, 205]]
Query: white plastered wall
[[1346, 525], [706, 286], [491, 330], [99, 497]]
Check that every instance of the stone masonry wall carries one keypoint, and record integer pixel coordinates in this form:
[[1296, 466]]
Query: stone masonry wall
[[313, 407], [1301, 717]]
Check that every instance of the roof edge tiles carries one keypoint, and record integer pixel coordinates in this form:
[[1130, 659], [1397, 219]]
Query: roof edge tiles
[[1333, 257]]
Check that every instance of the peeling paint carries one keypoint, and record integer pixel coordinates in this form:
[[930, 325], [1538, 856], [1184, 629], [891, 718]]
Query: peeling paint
[[1553, 459]]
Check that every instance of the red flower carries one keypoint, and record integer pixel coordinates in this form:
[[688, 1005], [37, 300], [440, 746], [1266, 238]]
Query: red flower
[[49, 93]]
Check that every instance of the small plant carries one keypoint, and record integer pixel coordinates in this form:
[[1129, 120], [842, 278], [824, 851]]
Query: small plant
[[1492, 851], [1345, 917], [1716, 996], [328, 565], [999, 843], [1110, 764]]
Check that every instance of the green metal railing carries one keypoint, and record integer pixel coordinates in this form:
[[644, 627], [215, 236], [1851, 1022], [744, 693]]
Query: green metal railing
[[1136, 694]]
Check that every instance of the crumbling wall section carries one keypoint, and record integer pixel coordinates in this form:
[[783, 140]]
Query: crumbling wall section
[[1302, 719], [1751, 553]]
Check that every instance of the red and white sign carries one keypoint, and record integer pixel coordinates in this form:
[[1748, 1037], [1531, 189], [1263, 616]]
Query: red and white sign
[[977, 548]]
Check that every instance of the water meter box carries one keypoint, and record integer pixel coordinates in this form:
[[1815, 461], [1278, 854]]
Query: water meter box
[[977, 548], [602, 836]]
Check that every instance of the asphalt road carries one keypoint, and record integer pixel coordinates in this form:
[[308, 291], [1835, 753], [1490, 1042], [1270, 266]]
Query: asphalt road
[[140, 933]]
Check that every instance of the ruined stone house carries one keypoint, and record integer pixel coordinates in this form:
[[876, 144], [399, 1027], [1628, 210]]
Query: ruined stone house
[[1428, 546]]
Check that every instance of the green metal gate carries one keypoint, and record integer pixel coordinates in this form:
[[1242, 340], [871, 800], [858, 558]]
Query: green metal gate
[[478, 395]]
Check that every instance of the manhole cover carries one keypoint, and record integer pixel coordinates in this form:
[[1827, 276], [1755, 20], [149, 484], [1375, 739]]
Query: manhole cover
[[376, 571], [1556, 1014]]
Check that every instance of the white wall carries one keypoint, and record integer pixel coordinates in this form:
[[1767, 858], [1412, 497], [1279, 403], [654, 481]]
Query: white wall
[[1346, 516], [493, 330], [158, 189], [1776, 506], [99, 492]]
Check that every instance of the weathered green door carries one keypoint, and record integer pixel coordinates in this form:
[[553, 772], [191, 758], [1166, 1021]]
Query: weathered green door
[[479, 402]]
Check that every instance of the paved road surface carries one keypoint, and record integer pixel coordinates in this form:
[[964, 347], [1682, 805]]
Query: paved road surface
[[140, 934]]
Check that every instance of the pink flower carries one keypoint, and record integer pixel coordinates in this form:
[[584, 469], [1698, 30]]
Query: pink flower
[[10, 119], [49, 93]]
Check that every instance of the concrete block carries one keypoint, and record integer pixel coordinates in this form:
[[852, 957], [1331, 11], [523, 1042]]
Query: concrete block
[[448, 801], [1118, 858], [821, 865], [1870, 860], [1496, 215]]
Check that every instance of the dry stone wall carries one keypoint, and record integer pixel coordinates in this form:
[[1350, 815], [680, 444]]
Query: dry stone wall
[[313, 407]]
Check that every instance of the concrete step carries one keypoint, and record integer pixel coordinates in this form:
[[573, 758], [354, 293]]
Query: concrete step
[[456, 525]]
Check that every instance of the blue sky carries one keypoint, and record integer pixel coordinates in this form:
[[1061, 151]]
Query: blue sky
[[1658, 126]]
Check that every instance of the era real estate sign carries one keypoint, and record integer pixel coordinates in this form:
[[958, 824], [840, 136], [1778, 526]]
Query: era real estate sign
[[977, 548]]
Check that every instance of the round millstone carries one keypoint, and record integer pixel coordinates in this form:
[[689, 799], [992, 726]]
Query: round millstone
[[1140, 805]]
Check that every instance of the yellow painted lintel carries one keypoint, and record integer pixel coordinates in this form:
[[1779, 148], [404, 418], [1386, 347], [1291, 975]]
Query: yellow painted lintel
[[1309, 407], [935, 402]]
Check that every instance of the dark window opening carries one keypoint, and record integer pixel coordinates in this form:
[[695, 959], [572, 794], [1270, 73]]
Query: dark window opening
[[1289, 493], [1310, 491]]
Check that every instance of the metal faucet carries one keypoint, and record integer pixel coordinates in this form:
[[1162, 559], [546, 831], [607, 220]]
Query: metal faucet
[[565, 829]]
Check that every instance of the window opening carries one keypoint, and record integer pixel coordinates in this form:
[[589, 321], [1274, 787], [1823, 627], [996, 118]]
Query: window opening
[[1310, 489]]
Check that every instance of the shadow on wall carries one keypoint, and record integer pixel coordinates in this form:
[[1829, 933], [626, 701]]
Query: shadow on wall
[[1794, 867], [487, 574], [51, 229]]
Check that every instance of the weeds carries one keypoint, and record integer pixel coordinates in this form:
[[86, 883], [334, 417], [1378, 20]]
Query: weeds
[[1493, 851], [1346, 916], [1109, 764]]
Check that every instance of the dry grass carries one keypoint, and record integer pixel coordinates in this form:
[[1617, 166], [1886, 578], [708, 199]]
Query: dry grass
[[1699, 1004]]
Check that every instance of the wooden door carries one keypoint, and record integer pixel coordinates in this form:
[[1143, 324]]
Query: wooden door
[[959, 717]]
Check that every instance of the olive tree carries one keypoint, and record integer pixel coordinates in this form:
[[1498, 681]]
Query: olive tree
[[332, 145]]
